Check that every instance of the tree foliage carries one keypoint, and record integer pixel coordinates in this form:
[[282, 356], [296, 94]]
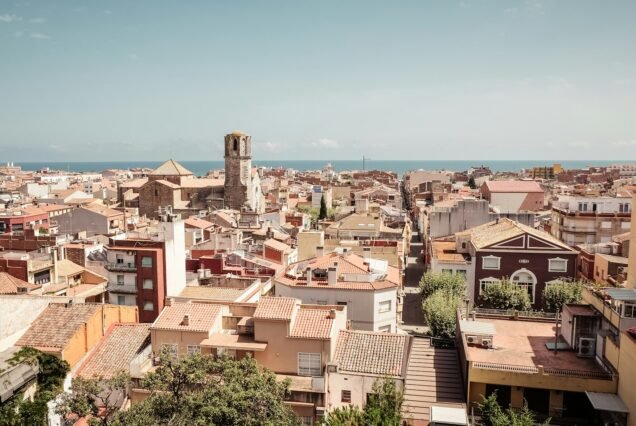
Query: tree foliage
[[201, 390], [384, 407], [493, 415], [471, 183], [505, 294], [50, 380], [560, 293], [440, 312], [97, 399], [322, 215], [451, 283]]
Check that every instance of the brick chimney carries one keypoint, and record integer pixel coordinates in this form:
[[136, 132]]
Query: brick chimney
[[332, 314], [320, 251], [332, 274], [186, 320], [308, 273]]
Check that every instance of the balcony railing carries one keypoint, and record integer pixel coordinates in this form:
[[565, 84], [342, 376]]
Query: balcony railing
[[123, 267], [548, 371], [119, 288]]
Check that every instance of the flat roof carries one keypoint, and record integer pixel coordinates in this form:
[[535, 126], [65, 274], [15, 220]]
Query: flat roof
[[477, 327], [234, 341], [523, 343]]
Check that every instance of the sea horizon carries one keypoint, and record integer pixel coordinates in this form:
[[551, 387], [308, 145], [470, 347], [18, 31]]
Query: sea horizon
[[201, 168]]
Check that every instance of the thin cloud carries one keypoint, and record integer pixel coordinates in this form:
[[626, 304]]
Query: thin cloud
[[9, 18], [18, 34], [40, 36], [37, 20], [133, 56], [625, 143], [464, 5], [327, 143], [271, 146]]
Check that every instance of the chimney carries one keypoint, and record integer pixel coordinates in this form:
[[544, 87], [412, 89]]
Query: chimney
[[366, 252], [332, 274], [473, 315], [186, 320], [168, 302], [332, 314], [308, 273], [320, 251]]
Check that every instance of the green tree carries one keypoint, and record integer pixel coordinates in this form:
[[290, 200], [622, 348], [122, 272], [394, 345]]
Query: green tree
[[349, 415], [322, 215], [471, 183], [560, 293], [452, 283], [384, 407], [493, 415], [440, 313], [201, 390], [50, 380], [97, 398], [505, 294]]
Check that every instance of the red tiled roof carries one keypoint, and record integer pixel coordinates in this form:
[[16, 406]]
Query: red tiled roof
[[312, 323], [372, 353], [10, 284], [276, 308], [57, 324], [201, 317], [513, 186], [116, 350]]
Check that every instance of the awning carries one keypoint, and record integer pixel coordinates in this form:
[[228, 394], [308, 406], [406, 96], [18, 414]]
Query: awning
[[448, 415], [607, 402], [233, 341]]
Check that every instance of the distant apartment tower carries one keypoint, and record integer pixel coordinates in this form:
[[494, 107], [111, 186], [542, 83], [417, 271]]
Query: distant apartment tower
[[590, 219], [144, 269], [239, 190]]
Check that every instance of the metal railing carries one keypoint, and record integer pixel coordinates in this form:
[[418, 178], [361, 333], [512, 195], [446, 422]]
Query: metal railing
[[125, 267], [515, 313], [549, 371]]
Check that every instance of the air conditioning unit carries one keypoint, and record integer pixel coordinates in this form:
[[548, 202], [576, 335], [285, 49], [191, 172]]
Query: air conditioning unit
[[586, 347], [471, 339], [332, 368], [486, 343]]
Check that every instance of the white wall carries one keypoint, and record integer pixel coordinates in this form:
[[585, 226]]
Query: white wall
[[175, 257], [359, 385], [507, 202]]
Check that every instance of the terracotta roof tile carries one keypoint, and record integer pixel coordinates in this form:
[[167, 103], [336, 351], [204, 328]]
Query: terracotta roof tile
[[116, 350], [201, 317], [276, 308], [371, 352], [171, 168], [57, 324], [10, 284], [513, 186], [312, 323]]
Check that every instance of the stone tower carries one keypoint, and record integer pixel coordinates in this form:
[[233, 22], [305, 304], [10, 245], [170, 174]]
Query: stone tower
[[238, 171]]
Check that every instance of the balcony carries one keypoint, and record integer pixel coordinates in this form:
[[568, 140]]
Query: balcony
[[121, 267], [122, 289]]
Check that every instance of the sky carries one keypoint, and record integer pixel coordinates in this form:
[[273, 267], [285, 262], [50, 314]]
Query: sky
[[431, 80]]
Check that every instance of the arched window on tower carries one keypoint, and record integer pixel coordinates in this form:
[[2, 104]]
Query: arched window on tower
[[235, 144]]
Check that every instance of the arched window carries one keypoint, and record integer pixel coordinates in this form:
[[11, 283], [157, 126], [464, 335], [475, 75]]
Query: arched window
[[526, 279], [235, 144]]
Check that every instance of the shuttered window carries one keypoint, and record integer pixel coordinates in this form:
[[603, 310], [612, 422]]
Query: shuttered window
[[309, 364]]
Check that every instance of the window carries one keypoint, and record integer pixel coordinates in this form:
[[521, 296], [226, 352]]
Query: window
[[120, 259], [606, 225], [447, 271], [385, 329], [170, 348], [194, 349], [629, 310], [146, 262], [557, 265], [156, 192], [148, 284], [149, 306], [306, 420], [120, 280], [464, 245], [341, 303], [461, 272], [321, 302], [490, 262], [583, 207], [309, 364], [121, 300], [385, 306], [486, 282], [625, 225], [345, 396], [227, 353], [525, 279]]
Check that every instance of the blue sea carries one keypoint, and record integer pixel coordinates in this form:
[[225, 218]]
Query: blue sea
[[200, 168]]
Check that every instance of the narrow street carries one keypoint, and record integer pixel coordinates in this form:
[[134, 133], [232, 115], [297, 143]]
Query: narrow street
[[412, 317]]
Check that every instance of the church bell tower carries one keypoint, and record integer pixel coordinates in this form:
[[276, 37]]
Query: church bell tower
[[238, 171]]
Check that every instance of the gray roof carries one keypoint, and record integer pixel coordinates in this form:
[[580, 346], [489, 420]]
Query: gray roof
[[627, 294], [477, 327], [607, 402]]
